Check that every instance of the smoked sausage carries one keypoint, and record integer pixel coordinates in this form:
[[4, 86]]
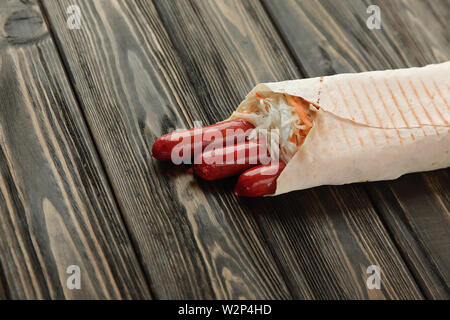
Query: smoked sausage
[[260, 180], [231, 160], [199, 138]]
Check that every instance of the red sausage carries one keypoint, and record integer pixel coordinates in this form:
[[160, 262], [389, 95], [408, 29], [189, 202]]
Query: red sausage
[[260, 180], [163, 146], [231, 160]]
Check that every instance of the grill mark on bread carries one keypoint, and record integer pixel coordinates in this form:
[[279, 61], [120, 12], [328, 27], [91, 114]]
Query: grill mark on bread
[[422, 105], [388, 86], [362, 110], [340, 123], [402, 90], [348, 110], [440, 93], [386, 110], [345, 102], [374, 111], [432, 101], [320, 90]]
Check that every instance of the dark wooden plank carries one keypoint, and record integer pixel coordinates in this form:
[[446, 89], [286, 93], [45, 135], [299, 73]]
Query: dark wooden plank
[[194, 243], [325, 238], [3, 294], [56, 208], [330, 37], [416, 208]]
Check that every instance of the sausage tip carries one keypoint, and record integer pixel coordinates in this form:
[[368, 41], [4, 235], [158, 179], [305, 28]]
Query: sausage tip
[[259, 181], [159, 151]]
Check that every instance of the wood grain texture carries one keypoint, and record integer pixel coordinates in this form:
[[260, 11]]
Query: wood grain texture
[[193, 238], [327, 37], [3, 293], [323, 239], [56, 208], [418, 218]]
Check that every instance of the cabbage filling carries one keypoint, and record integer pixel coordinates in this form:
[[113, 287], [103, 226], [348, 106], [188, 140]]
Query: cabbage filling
[[283, 120]]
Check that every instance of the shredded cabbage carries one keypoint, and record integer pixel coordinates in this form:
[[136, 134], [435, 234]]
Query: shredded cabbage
[[274, 116]]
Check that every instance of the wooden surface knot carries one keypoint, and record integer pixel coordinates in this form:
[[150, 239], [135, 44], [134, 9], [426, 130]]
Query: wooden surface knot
[[24, 26]]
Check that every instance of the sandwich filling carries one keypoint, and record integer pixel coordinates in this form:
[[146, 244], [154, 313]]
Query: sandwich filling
[[283, 120]]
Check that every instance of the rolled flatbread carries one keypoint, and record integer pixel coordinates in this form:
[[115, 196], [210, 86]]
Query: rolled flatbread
[[365, 126]]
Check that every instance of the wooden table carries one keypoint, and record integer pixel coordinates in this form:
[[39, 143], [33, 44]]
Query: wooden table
[[81, 107]]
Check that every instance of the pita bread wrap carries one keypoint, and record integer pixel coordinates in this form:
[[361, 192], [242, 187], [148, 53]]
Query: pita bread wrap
[[366, 126]]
